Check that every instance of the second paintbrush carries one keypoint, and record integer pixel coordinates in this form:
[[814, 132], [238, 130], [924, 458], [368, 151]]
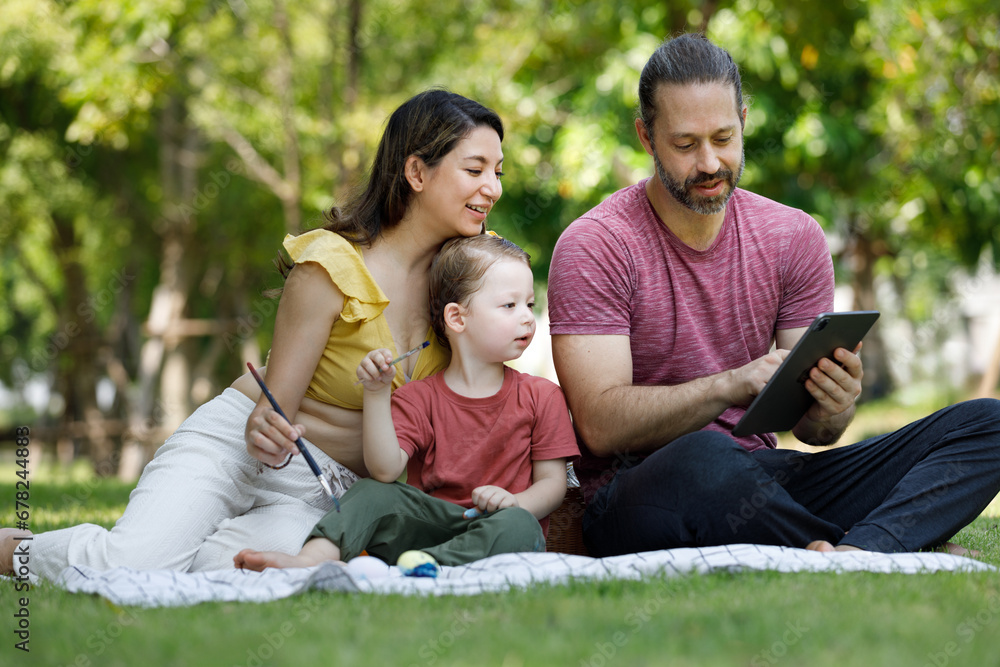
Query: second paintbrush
[[404, 356]]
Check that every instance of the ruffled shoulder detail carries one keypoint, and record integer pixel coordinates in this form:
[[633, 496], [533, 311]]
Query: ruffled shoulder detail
[[364, 299]]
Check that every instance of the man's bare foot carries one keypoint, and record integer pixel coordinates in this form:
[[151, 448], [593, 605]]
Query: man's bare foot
[[946, 548], [825, 547], [10, 539], [248, 559], [955, 550]]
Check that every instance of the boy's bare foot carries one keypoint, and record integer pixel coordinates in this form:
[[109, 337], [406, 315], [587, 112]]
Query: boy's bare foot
[[317, 550], [825, 547], [248, 559], [10, 538]]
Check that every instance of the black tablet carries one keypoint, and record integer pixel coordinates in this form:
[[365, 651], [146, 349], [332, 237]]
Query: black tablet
[[784, 399]]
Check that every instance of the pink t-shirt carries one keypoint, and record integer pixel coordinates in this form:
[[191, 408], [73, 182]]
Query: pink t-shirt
[[689, 313], [456, 443]]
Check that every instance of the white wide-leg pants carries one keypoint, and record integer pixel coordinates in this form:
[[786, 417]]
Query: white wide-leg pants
[[199, 501]]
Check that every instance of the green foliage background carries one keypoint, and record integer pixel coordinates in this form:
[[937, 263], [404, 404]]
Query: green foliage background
[[154, 153]]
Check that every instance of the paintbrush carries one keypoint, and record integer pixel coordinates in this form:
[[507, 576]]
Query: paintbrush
[[298, 441], [403, 356]]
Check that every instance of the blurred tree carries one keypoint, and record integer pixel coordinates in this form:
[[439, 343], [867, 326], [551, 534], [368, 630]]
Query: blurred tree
[[153, 154], [569, 94], [103, 183], [876, 118], [60, 230], [805, 145], [938, 113]]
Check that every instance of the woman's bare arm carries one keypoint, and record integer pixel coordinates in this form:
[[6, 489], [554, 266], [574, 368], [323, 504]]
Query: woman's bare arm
[[310, 304]]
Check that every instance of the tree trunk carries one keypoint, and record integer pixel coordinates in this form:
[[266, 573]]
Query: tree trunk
[[290, 202], [287, 186], [79, 342], [991, 376], [354, 55], [877, 382], [349, 169], [328, 107], [162, 404]]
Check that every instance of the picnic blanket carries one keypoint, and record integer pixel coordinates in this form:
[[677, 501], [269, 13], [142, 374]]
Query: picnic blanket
[[160, 588]]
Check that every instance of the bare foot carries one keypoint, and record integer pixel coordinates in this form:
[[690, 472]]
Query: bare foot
[[248, 559], [825, 547], [956, 550], [10, 539]]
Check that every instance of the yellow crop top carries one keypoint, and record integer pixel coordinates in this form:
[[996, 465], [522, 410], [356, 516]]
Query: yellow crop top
[[361, 326]]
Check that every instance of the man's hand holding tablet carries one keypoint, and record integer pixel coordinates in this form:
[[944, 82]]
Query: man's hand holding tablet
[[784, 399]]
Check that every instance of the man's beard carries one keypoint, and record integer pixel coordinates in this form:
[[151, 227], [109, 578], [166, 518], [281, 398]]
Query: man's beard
[[703, 205]]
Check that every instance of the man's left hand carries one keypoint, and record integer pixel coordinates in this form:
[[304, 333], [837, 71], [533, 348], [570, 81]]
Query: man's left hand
[[835, 385]]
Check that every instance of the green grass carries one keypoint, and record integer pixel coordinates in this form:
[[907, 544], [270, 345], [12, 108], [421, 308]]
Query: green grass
[[755, 619], [720, 619]]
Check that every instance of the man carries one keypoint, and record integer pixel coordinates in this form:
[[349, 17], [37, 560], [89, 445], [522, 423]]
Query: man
[[664, 302]]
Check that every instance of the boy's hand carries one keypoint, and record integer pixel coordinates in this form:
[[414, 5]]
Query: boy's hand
[[491, 498], [374, 371]]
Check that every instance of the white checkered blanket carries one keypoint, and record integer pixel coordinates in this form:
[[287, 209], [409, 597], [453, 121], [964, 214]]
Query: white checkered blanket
[[160, 588]]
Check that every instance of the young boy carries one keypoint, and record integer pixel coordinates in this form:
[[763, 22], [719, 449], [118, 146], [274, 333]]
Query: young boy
[[477, 435]]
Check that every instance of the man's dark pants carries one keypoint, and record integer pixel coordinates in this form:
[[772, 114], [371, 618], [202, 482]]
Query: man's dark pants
[[904, 491]]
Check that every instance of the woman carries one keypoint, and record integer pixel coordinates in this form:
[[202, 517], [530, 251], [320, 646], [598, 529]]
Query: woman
[[229, 478]]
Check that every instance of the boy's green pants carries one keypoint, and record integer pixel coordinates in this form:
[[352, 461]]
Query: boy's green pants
[[387, 519]]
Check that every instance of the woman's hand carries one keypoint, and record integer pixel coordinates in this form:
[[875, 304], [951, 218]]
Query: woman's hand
[[269, 437]]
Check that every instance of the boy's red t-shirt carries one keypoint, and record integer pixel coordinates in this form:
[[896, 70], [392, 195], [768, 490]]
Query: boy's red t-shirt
[[457, 443]]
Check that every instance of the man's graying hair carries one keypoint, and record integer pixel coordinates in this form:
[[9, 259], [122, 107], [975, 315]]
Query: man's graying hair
[[687, 59]]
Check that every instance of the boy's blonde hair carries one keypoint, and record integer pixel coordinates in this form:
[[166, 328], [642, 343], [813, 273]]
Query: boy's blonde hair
[[458, 270]]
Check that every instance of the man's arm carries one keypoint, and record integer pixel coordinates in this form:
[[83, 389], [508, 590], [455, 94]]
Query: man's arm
[[612, 415]]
